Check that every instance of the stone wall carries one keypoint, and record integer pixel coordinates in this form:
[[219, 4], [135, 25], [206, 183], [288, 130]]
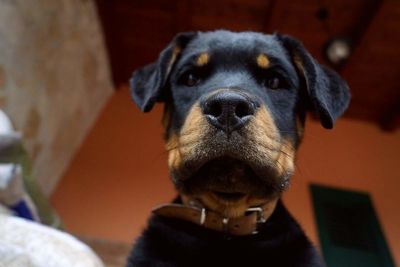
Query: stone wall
[[54, 77]]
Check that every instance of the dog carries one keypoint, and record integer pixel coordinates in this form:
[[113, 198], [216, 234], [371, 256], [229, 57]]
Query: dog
[[234, 114]]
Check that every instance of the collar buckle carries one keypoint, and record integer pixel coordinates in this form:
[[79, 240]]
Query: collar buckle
[[260, 217]]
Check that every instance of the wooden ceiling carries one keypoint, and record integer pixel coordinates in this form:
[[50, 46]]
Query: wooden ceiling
[[136, 31]]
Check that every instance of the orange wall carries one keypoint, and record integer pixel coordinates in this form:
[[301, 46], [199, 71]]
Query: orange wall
[[120, 173]]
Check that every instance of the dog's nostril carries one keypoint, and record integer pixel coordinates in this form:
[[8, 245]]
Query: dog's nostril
[[243, 109], [214, 109]]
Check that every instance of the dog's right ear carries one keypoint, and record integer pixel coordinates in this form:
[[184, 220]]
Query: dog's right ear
[[147, 83], [328, 93]]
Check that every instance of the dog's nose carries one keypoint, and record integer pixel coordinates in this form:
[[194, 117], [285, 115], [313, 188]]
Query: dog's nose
[[227, 110]]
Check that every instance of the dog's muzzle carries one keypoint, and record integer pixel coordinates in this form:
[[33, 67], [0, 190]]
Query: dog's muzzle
[[229, 145]]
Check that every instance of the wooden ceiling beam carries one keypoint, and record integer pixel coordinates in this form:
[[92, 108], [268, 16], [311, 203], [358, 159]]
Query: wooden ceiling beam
[[370, 69], [136, 31]]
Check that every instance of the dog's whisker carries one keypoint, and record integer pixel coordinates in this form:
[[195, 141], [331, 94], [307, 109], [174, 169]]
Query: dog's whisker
[[181, 145], [273, 149], [188, 132]]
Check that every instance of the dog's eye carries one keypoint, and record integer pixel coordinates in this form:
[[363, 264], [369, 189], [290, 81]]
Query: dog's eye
[[191, 79], [273, 83]]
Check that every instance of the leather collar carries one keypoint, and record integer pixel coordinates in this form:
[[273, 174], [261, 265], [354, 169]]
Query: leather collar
[[247, 224]]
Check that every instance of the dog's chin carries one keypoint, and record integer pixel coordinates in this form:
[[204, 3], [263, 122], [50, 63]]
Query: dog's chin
[[229, 186]]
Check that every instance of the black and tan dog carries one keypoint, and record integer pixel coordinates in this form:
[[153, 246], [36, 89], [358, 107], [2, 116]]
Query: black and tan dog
[[235, 105]]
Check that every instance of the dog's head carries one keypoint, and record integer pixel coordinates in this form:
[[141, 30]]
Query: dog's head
[[235, 106]]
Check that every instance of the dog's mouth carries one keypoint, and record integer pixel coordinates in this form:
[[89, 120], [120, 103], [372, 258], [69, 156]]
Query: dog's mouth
[[230, 186], [229, 180]]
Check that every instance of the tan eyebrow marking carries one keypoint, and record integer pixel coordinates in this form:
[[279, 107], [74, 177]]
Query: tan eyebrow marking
[[202, 59], [262, 61]]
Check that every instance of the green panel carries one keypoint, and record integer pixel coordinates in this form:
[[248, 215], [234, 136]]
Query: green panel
[[349, 231]]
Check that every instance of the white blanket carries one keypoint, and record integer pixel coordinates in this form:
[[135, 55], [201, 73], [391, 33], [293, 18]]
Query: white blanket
[[28, 244]]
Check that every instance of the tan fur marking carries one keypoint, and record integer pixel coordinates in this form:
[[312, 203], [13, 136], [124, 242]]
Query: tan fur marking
[[174, 154], [177, 50], [285, 160], [193, 128], [300, 67], [180, 146], [264, 135], [269, 143], [262, 61], [298, 62], [202, 59]]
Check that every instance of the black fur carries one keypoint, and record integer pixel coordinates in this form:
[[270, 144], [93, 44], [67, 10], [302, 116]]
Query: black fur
[[281, 242], [170, 243]]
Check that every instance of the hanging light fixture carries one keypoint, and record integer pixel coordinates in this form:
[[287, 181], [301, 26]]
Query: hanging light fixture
[[337, 50]]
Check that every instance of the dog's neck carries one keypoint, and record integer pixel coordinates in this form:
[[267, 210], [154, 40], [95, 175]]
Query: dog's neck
[[192, 210]]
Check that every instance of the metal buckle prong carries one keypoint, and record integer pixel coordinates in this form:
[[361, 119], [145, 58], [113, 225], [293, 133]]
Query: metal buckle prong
[[225, 224], [260, 216], [203, 216]]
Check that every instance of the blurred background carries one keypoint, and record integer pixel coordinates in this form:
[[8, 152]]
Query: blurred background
[[64, 68]]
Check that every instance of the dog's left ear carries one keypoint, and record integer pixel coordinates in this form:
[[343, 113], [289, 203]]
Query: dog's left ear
[[329, 94], [147, 83]]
